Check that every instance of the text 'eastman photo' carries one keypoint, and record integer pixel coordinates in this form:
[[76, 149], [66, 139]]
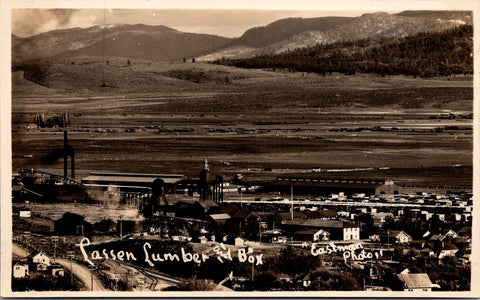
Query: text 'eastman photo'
[[218, 151]]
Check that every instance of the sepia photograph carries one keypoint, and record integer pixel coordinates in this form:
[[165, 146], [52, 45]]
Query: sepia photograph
[[258, 148]]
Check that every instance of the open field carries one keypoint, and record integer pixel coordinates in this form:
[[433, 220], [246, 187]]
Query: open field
[[167, 118]]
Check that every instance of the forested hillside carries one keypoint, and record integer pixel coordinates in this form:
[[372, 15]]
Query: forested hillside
[[426, 55], [286, 28]]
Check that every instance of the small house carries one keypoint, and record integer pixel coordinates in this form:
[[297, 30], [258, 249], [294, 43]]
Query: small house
[[273, 236], [38, 257], [57, 270], [447, 249], [41, 267], [396, 236], [416, 282], [20, 270], [449, 233], [239, 241], [24, 213]]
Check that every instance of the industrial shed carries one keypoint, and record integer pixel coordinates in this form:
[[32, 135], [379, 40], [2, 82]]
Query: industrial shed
[[129, 188], [133, 181], [326, 186]]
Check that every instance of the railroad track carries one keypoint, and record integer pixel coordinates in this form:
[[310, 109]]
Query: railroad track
[[153, 275]]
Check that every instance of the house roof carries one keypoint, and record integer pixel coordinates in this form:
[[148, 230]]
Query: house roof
[[460, 240], [449, 246], [426, 250], [445, 231], [382, 214], [220, 216], [35, 253], [230, 210], [243, 214], [307, 231], [412, 281], [272, 232], [320, 214], [418, 242], [296, 215], [393, 233], [315, 223], [437, 237], [105, 222], [56, 266], [465, 229], [207, 204], [17, 187], [68, 216]]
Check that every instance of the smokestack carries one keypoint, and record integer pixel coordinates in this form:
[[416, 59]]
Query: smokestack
[[65, 154]]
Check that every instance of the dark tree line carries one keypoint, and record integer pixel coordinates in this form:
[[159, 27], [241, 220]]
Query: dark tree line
[[426, 55]]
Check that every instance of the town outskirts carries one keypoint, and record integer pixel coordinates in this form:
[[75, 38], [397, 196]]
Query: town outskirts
[[220, 252]]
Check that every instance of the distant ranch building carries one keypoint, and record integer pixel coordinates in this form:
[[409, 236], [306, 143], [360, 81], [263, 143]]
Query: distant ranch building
[[326, 186]]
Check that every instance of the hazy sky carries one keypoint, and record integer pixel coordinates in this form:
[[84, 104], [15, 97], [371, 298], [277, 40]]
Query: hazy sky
[[230, 23]]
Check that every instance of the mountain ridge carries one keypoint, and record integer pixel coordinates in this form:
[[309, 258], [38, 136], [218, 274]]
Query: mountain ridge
[[152, 42], [369, 25], [162, 43]]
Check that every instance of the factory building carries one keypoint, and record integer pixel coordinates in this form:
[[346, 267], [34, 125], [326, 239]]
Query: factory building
[[328, 186], [133, 181], [130, 189]]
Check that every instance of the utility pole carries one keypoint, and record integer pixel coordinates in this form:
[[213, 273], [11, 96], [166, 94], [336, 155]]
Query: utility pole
[[91, 268], [121, 235], [291, 200], [388, 238], [115, 274], [54, 240], [70, 255], [260, 230], [253, 271]]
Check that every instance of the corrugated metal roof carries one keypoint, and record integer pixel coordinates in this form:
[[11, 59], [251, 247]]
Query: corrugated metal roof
[[137, 175], [415, 281], [126, 179]]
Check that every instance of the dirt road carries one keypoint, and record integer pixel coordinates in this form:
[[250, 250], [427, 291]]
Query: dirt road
[[79, 270]]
